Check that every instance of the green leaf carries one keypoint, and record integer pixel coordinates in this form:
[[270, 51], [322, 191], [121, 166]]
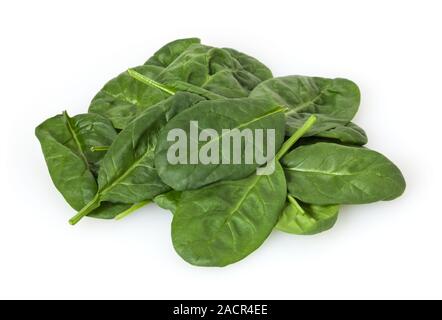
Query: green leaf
[[251, 65], [127, 173], [168, 200], [118, 211], [336, 98], [239, 114], [109, 210], [348, 134], [123, 98], [66, 143], [327, 127], [328, 173], [185, 65], [215, 70], [307, 219], [225, 222], [169, 52]]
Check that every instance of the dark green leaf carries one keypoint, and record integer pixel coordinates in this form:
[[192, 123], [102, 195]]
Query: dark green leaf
[[337, 98], [66, 143], [348, 134], [109, 210], [251, 65], [328, 173], [168, 53], [185, 65], [127, 173], [327, 127], [216, 70], [168, 200], [241, 114], [123, 97], [224, 222]]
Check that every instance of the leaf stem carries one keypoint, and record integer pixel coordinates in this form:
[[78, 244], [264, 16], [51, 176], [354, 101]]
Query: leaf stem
[[91, 206], [99, 148], [132, 209], [296, 136], [150, 82]]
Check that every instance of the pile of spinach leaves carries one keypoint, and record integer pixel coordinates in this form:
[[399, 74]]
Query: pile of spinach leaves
[[111, 161]]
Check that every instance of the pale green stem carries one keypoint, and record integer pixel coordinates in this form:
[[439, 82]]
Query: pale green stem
[[146, 80], [132, 209], [295, 137], [99, 148], [91, 206]]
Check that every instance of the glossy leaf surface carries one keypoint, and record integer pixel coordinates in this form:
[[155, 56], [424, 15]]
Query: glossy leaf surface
[[328, 173], [123, 98], [66, 143], [171, 51], [127, 173], [351, 133], [251, 65], [327, 127], [224, 222], [218, 115], [109, 210], [216, 70], [186, 65], [337, 98]]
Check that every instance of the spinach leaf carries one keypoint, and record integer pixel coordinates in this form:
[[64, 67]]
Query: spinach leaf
[[215, 70], [169, 52], [328, 127], [337, 98], [333, 101], [185, 65], [175, 87], [66, 143], [252, 66], [168, 200], [127, 173], [123, 98], [120, 157], [109, 210], [244, 113], [307, 219], [348, 134], [117, 211], [224, 222], [328, 173]]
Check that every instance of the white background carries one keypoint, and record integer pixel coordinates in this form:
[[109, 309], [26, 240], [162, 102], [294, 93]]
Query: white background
[[56, 55]]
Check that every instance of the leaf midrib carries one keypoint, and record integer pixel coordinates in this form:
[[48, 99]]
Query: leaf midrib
[[323, 172], [268, 114], [77, 141], [232, 212], [126, 173], [309, 102]]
